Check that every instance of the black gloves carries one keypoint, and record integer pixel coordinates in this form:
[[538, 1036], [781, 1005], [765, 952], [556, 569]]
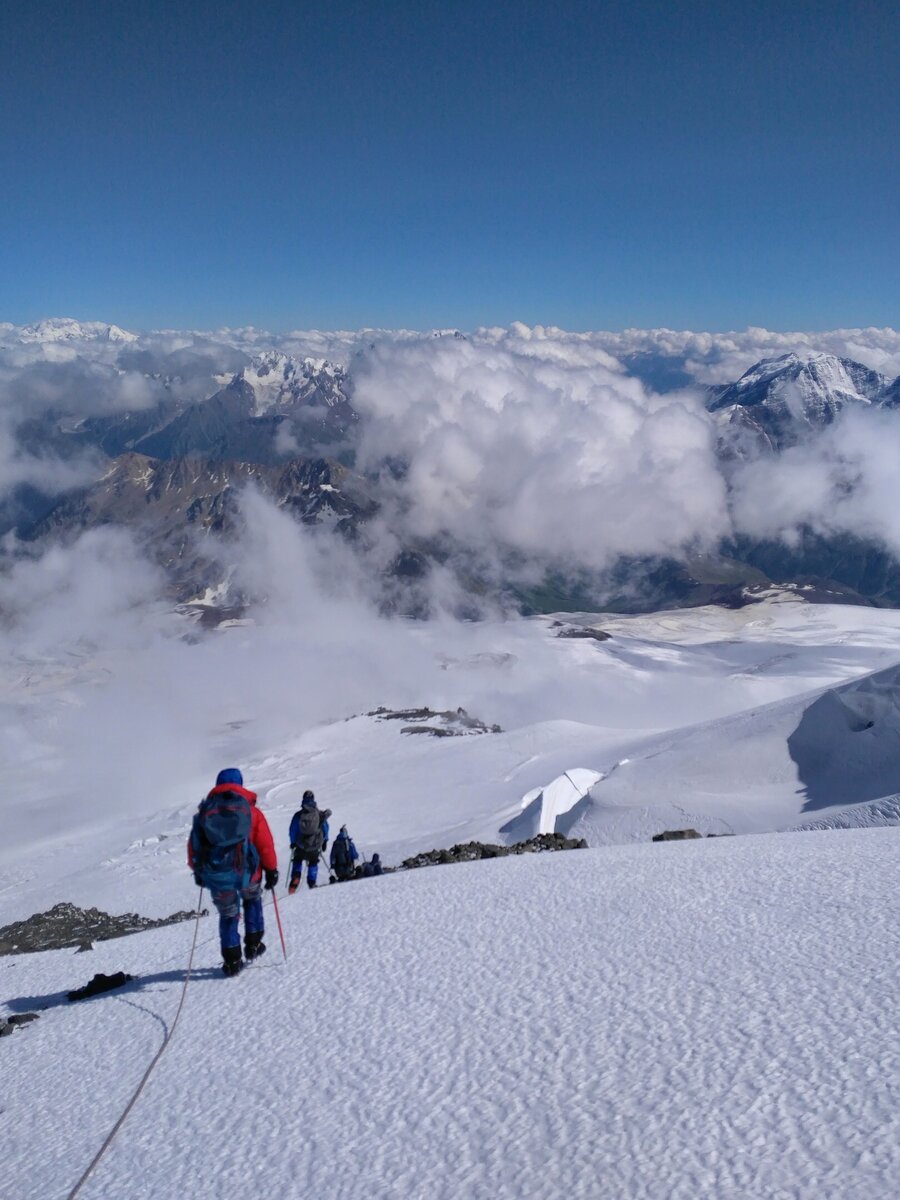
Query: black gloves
[[197, 879], [271, 880]]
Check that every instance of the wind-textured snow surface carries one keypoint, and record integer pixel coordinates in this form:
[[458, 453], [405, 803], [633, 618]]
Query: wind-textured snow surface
[[706, 1019]]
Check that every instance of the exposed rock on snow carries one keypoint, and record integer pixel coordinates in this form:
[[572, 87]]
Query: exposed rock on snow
[[439, 724], [66, 925], [596, 635], [675, 835], [470, 851]]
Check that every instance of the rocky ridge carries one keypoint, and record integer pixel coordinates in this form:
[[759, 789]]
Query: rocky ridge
[[66, 925], [474, 851]]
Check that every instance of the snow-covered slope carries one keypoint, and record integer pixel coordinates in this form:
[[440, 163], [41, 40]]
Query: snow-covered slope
[[875, 813], [714, 1019], [720, 714], [757, 770]]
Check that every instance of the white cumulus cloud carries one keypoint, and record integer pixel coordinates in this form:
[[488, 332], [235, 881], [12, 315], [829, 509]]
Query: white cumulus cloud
[[511, 444]]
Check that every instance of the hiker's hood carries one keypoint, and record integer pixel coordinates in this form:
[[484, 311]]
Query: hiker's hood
[[222, 788]]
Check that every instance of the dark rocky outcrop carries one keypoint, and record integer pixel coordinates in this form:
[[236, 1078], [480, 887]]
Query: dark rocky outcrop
[[175, 505], [595, 635], [472, 851], [437, 724], [675, 835], [66, 925]]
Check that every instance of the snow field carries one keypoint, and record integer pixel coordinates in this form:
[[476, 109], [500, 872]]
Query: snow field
[[700, 703], [715, 1018]]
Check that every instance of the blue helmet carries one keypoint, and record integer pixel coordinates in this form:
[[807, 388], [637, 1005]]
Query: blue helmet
[[230, 775]]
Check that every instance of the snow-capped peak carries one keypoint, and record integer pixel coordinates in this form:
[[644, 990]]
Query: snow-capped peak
[[279, 380], [775, 401], [815, 374], [60, 329]]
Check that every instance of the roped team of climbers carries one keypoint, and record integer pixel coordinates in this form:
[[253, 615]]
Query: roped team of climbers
[[231, 851]]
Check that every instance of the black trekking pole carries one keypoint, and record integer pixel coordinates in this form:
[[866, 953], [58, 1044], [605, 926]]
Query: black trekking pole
[[331, 875]]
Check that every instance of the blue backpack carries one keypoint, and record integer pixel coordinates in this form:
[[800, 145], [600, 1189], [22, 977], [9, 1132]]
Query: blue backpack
[[224, 857]]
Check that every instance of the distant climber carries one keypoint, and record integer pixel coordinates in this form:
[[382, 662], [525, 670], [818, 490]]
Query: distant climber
[[372, 867], [230, 850], [343, 855], [309, 837]]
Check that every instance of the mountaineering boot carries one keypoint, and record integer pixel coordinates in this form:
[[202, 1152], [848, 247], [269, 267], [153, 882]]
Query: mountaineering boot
[[232, 961], [294, 884], [254, 946], [311, 883]]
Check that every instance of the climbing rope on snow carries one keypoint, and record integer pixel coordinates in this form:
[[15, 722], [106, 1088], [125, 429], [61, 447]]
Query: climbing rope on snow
[[140, 1087]]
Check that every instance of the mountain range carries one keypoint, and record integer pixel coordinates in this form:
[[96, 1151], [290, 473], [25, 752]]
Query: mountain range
[[289, 425]]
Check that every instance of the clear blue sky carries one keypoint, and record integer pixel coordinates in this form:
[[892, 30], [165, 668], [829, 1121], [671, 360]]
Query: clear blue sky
[[593, 165]]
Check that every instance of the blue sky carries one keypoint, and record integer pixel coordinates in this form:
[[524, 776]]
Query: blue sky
[[591, 165]]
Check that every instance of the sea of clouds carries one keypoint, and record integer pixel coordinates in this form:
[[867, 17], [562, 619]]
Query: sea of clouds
[[518, 444], [538, 439]]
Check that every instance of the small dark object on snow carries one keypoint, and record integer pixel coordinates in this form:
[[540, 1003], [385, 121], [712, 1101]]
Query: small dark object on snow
[[10, 1024], [99, 984], [675, 835], [22, 1018]]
